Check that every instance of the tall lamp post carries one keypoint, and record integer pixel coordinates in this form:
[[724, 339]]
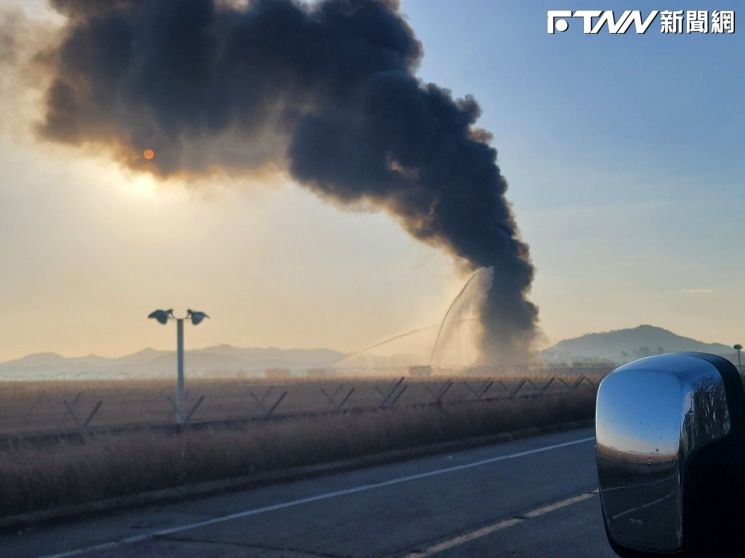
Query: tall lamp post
[[738, 348], [162, 317]]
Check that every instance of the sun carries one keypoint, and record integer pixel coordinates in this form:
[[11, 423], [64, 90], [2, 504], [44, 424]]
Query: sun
[[149, 154]]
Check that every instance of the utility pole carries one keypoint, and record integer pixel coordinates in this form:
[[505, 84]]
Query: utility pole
[[162, 317], [180, 366]]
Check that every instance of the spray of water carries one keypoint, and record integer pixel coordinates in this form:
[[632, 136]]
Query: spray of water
[[464, 307]]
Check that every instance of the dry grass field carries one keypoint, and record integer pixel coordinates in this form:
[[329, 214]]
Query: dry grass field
[[28, 408], [114, 465], [316, 421]]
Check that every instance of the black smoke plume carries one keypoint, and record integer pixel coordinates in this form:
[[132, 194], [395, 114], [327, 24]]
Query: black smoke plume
[[326, 91]]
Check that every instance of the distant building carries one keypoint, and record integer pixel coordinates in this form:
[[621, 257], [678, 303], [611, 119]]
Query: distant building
[[277, 373], [320, 373], [420, 370]]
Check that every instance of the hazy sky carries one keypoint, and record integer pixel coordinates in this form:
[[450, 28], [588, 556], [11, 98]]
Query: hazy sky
[[623, 153]]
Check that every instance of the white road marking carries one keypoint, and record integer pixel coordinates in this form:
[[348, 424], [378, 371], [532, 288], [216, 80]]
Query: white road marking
[[325, 496], [463, 539], [494, 527], [558, 505]]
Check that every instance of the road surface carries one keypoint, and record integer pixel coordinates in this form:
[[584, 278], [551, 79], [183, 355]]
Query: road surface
[[527, 498]]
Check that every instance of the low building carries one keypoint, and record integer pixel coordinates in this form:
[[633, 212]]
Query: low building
[[320, 373], [277, 373], [424, 370]]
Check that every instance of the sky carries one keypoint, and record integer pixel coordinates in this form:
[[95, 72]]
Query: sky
[[623, 155]]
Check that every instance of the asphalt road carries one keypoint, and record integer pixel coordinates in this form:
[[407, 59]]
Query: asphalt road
[[528, 498]]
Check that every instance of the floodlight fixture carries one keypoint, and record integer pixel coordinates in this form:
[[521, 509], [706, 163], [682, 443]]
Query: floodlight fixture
[[162, 317], [196, 316]]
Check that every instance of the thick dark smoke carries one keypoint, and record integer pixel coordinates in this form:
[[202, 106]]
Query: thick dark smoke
[[326, 91]]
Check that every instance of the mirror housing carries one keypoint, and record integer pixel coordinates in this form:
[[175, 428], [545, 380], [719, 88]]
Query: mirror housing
[[670, 433]]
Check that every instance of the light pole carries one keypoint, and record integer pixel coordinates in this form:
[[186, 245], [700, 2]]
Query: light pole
[[162, 317], [738, 348]]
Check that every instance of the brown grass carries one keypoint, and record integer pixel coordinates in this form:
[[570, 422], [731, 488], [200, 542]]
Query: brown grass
[[34, 478], [27, 407]]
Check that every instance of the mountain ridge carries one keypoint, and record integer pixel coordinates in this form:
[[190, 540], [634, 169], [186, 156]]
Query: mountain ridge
[[622, 345], [609, 347], [148, 362]]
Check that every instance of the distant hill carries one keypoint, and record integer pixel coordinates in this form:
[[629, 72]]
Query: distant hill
[[151, 362], [609, 347], [624, 345]]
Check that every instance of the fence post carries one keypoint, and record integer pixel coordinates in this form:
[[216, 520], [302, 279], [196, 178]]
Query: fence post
[[276, 404], [268, 412], [518, 388], [343, 401], [398, 395], [486, 388], [391, 392], [548, 385], [82, 424], [92, 414], [194, 408], [439, 394]]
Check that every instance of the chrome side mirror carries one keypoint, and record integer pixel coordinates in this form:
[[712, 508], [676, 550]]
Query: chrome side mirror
[[670, 433]]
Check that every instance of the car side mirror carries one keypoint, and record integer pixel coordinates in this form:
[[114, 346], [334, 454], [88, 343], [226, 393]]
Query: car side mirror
[[670, 433]]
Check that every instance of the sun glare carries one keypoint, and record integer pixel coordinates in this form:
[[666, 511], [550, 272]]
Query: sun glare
[[143, 186], [149, 154]]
